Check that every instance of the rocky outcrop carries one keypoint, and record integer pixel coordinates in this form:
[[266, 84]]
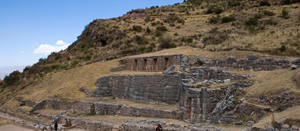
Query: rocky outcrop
[[281, 101]]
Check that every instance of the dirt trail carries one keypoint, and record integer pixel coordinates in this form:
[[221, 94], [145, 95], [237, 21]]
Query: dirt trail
[[13, 127]]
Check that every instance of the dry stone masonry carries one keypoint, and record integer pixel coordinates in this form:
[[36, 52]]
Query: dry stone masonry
[[185, 81]]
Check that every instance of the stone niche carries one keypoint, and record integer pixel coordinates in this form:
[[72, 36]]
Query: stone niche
[[151, 63]]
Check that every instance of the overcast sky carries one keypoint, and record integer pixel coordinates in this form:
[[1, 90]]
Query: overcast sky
[[32, 29]]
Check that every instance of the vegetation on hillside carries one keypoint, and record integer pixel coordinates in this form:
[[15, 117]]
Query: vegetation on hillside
[[265, 26]]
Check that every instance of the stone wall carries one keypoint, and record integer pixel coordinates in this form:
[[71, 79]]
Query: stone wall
[[150, 88], [150, 63], [199, 103], [252, 63], [102, 108], [201, 74]]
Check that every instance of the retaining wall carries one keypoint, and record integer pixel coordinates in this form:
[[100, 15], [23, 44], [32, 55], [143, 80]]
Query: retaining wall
[[150, 88]]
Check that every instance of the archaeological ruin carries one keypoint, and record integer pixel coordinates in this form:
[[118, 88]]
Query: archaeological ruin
[[185, 82]]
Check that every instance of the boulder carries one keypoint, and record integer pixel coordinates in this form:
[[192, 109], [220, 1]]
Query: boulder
[[252, 57], [297, 61], [293, 67], [197, 124], [285, 126], [295, 127], [277, 125]]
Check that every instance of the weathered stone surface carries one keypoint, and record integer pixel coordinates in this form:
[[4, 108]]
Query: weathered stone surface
[[108, 109], [293, 67], [155, 88], [285, 126], [252, 57], [151, 63]]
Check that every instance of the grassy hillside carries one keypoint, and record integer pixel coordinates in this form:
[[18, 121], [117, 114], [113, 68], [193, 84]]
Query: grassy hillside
[[215, 29]]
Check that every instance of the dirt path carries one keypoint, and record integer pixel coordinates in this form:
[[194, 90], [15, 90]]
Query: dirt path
[[13, 127]]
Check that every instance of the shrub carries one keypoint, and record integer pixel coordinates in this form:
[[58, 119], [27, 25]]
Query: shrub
[[282, 48], [233, 3], [299, 16], [175, 34], [258, 16], [148, 30], [195, 2], [218, 10], [140, 40], [214, 9], [13, 78], [189, 40], [158, 33], [161, 28], [214, 19], [252, 22], [137, 28], [165, 43], [215, 39], [268, 13], [270, 22], [285, 14], [287, 2], [228, 19], [264, 3]]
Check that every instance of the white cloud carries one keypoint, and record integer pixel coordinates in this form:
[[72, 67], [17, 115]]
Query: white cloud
[[47, 49], [60, 42], [22, 52]]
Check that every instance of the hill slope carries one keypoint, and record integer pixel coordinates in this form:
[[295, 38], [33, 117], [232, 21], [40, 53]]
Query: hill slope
[[218, 28]]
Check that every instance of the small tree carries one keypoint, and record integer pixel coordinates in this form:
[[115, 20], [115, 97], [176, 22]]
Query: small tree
[[285, 14]]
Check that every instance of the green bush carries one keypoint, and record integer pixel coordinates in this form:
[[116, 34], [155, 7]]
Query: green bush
[[214, 9], [140, 40], [218, 10], [165, 43], [158, 33], [233, 3], [137, 28], [270, 21], [258, 16], [195, 2], [285, 14], [214, 19], [161, 28], [189, 40], [264, 3], [252, 22], [282, 48], [148, 30], [13, 78], [228, 19], [299, 16], [287, 2], [268, 13]]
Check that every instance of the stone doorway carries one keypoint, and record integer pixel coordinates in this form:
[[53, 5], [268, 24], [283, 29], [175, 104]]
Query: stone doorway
[[155, 64], [166, 63], [182, 98], [135, 65], [188, 109], [145, 65]]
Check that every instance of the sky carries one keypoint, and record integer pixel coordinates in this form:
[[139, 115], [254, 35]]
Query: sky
[[32, 29]]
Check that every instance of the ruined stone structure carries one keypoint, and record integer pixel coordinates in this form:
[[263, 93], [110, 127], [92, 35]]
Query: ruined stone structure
[[171, 87], [184, 82], [149, 63]]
